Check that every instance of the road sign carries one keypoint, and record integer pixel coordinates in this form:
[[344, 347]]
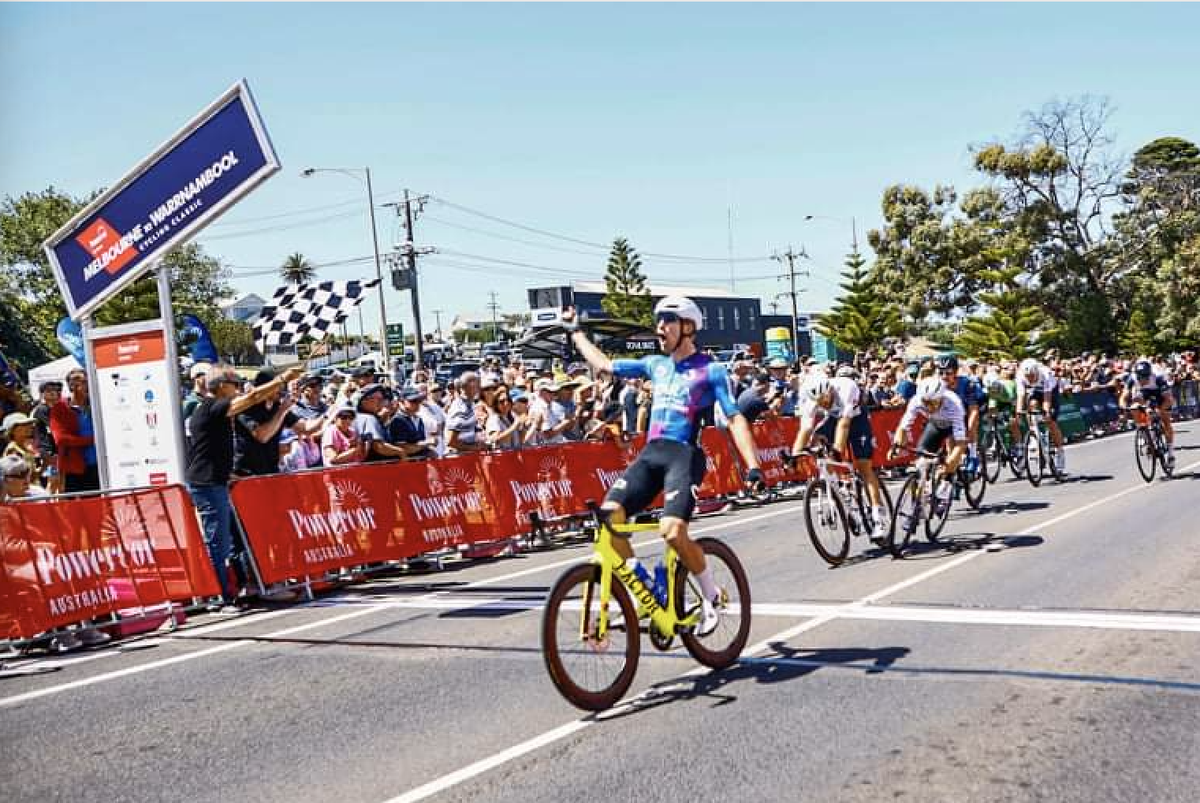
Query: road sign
[[214, 160], [395, 339]]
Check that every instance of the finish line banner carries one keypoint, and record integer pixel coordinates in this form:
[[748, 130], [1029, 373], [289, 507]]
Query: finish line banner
[[211, 163]]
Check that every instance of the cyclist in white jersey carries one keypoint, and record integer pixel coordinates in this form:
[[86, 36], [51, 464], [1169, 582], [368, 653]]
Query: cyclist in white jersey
[[945, 419], [841, 402], [1037, 387]]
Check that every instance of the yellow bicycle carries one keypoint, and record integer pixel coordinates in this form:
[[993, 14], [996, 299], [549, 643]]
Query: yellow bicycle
[[591, 625]]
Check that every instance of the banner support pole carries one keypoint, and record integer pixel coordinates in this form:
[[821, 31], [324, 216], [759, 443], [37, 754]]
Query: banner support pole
[[172, 357]]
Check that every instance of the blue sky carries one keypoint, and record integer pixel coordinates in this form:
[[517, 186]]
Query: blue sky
[[588, 121]]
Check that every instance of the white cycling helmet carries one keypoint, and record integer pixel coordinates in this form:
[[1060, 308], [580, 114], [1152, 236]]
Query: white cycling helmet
[[847, 372], [930, 389], [816, 387], [682, 306], [1029, 366]]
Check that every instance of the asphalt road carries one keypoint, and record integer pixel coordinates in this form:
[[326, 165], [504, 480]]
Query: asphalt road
[[1050, 651]]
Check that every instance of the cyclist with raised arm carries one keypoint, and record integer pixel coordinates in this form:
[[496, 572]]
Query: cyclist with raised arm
[[945, 419], [686, 383], [1037, 387], [840, 401], [1143, 385]]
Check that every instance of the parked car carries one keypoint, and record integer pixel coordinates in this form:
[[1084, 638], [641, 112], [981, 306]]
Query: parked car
[[449, 371]]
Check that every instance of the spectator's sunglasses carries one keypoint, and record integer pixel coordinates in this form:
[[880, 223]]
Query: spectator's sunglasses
[[19, 477]]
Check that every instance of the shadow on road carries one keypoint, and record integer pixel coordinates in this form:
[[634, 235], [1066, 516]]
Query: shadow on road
[[947, 546], [1089, 477], [787, 663], [1009, 507]]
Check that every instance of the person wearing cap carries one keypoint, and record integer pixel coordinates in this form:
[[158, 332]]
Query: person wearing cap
[[360, 377], [340, 444], [49, 393], [407, 430], [210, 460], [685, 383], [309, 403], [197, 373], [257, 428], [291, 454], [369, 402], [546, 420], [20, 430]]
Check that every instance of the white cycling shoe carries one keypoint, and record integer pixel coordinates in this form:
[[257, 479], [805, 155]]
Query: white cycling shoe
[[710, 615]]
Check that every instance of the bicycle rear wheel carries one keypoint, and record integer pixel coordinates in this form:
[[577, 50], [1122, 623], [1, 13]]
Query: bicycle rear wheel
[[1035, 459], [720, 648], [907, 516], [1164, 457], [825, 519], [591, 674], [1147, 460]]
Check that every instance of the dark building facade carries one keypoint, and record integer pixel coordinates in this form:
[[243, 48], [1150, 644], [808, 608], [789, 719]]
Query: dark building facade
[[730, 321]]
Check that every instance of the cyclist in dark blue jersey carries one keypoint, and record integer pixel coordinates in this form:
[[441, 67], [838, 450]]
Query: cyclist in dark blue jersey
[[686, 383], [970, 392]]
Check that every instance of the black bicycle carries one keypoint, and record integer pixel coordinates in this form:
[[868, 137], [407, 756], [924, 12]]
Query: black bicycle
[[1150, 445]]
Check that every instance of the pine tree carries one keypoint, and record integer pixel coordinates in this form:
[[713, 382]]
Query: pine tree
[[626, 296], [860, 318], [1138, 338], [1010, 328]]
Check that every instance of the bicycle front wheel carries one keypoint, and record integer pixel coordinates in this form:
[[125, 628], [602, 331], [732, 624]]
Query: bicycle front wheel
[[1035, 459], [939, 511], [720, 648], [826, 521], [991, 456], [907, 516], [1147, 460], [592, 673]]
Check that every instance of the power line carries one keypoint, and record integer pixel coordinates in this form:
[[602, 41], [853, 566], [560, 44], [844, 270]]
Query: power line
[[283, 227], [577, 241]]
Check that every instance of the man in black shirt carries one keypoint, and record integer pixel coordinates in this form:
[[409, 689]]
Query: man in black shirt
[[753, 401], [50, 392], [407, 430], [210, 460], [256, 430]]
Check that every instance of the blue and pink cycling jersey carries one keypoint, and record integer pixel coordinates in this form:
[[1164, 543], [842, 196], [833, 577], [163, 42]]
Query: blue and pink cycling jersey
[[682, 391]]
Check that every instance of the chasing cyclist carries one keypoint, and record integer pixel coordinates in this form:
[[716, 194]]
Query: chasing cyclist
[[971, 394], [686, 383], [841, 402], [1037, 386], [945, 419], [1145, 386]]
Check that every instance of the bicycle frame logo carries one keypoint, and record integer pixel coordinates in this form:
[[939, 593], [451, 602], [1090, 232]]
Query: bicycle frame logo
[[634, 583]]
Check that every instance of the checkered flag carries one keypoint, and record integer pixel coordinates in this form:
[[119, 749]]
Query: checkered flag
[[297, 310]]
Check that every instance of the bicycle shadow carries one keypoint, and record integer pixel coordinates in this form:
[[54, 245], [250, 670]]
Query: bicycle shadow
[[783, 664], [1007, 507], [1088, 477], [949, 546]]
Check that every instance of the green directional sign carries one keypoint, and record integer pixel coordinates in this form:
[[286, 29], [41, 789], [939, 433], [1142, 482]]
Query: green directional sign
[[395, 339]]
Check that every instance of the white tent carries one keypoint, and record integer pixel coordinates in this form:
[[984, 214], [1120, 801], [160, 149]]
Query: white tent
[[56, 371]]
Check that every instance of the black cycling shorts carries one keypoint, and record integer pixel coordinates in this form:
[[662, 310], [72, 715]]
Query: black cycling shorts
[[1039, 395], [934, 436], [861, 440], [675, 468]]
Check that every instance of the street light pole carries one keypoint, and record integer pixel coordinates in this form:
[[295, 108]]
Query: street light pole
[[383, 347]]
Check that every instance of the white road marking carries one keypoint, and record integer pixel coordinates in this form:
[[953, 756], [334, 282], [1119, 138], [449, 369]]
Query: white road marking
[[549, 737], [178, 659]]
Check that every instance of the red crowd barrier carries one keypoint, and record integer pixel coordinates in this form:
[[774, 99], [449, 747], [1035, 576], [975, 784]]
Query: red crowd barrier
[[66, 560], [303, 525]]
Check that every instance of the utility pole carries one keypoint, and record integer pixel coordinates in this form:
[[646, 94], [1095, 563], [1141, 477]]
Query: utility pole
[[792, 273], [494, 307], [406, 278], [437, 314]]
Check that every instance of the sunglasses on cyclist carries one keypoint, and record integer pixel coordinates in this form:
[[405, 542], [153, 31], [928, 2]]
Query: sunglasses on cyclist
[[666, 317]]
